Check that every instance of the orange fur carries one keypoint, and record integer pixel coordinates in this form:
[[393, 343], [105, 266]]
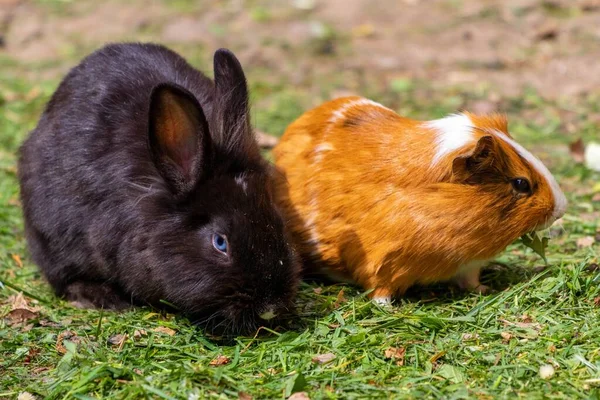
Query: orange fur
[[366, 202]]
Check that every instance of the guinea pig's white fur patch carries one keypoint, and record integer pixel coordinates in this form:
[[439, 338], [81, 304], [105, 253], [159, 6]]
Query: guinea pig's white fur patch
[[340, 113], [454, 132]]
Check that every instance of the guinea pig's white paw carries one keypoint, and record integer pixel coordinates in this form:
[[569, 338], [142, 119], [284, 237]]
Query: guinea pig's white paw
[[384, 301]]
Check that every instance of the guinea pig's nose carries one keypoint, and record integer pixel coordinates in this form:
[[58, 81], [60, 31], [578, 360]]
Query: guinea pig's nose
[[269, 314]]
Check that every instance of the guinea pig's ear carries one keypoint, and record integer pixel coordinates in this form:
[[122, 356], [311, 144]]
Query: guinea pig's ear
[[232, 130], [178, 136], [479, 164]]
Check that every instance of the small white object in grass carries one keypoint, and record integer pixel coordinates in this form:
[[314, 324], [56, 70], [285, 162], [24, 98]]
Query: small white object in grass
[[592, 156], [25, 396], [383, 301], [546, 371]]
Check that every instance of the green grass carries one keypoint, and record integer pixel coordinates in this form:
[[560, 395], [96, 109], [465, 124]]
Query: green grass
[[451, 345]]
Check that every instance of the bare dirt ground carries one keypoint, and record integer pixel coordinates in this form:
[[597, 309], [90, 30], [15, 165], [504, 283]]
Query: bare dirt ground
[[551, 46]]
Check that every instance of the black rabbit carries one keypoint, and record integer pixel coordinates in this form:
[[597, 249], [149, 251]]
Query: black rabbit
[[143, 182]]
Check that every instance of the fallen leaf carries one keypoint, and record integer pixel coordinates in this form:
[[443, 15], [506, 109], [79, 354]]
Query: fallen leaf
[[244, 396], [220, 360], [19, 301], [340, 299], [20, 316], [138, 333], [323, 358], [469, 336], [118, 339], [318, 290], [66, 335], [333, 326], [299, 396], [17, 260], [526, 318], [597, 301], [585, 241], [396, 353], [25, 396], [577, 151], [165, 330], [552, 348], [49, 324], [506, 336], [31, 354], [137, 371]]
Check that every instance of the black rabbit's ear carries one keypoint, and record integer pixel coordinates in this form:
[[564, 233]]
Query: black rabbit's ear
[[232, 130], [178, 136]]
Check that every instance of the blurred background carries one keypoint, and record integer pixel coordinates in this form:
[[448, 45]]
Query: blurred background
[[536, 60], [421, 57]]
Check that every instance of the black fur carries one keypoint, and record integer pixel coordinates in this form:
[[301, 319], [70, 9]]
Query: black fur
[[114, 216]]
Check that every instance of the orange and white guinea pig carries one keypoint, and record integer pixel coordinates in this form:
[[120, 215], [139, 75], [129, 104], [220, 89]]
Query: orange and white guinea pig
[[386, 202]]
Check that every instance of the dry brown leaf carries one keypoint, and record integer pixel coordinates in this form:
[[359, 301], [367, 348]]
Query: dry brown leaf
[[323, 358], [31, 354], [220, 360], [137, 371], [244, 396], [526, 318], [17, 260], [577, 151], [138, 333], [552, 348], [165, 330], [396, 353], [506, 336], [317, 290], [340, 299], [597, 301], [66, 335], [49, 324], [299, 396], [118, 339], [585, 241], [20, 316]]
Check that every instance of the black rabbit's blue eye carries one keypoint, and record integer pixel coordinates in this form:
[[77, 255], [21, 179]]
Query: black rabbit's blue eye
[[220, 243]]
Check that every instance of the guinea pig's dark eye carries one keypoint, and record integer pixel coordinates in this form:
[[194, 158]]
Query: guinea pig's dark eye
[[219, 242], [521, 185]]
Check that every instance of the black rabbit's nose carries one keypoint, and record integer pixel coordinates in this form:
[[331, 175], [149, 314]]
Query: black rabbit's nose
[[269, 314]]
